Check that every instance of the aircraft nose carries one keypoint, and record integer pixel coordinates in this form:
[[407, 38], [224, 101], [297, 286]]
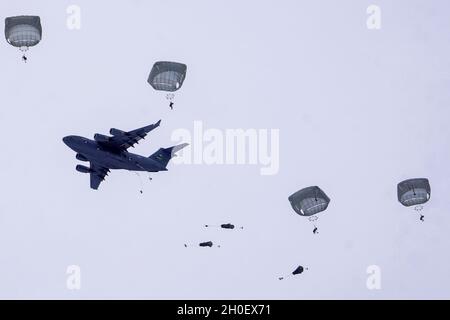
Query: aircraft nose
[[68, 140]]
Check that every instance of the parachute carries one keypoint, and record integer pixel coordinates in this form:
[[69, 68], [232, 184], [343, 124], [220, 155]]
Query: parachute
[[223, 226], [298, 270], [414, 192], [167, 76], [23, 32], [308, 202], [206, 244], [203, 244]]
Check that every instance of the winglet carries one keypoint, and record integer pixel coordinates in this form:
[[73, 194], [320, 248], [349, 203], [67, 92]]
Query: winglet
[[150, 127]]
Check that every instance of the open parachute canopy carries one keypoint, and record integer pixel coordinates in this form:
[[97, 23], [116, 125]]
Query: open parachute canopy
[[167, 76], [23, 31], [413, 192], [309, 201]]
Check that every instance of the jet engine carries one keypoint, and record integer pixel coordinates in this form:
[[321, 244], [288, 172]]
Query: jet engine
[[83, 169], [101, 138], [116, 132], [80, 157]]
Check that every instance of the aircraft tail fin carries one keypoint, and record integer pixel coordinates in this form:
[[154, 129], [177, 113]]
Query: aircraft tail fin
[[163, 155]]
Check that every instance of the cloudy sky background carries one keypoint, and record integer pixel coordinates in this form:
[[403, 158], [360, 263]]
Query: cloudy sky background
[[358, 111]]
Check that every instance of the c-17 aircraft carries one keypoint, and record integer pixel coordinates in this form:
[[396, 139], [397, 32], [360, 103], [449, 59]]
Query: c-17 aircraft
[[110, 152]]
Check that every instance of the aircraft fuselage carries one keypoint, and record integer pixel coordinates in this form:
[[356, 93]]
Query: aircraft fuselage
[[94, 152]]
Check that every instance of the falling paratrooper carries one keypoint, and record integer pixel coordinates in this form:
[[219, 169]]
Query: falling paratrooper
[[308, 202], [23, 32], [167, 76], [414, 192]]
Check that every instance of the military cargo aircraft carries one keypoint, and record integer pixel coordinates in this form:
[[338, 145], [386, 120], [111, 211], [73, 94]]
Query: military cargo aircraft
[[105, 153]]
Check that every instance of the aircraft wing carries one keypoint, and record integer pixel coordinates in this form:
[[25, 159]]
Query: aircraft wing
[[98, 174], [122, 140]]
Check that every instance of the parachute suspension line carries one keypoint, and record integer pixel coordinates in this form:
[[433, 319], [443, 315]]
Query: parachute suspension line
[[284, 277], [24, 49], [170, 97], [140, 181], [312, 219], [419, 209], [143, 169]]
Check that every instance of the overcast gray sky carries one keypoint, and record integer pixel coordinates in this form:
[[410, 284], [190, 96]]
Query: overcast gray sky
[[358, 111]]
